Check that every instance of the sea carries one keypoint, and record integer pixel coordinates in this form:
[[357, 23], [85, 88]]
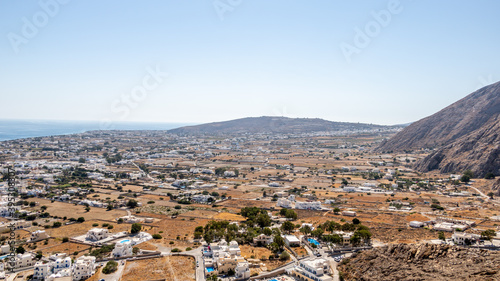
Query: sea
[[18, 129]]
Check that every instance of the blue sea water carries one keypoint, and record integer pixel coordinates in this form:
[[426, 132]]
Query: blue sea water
[[17, 129]]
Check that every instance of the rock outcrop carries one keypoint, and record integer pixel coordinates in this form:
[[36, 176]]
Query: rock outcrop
[[422, 262]]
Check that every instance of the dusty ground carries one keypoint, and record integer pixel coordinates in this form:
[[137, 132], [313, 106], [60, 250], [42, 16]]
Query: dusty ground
[[175, 268], [68, 210]]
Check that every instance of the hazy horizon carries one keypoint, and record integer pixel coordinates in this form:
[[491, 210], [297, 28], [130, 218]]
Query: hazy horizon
[[379, 62]]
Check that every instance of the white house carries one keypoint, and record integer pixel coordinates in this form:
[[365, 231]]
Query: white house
[[314, 205], [316, 269], [291, 240], [83, 268], [242, 270], [349, 213], [263, 239], [465, 238], [38, 235], [284, 203], [123, 248], [96, 234]]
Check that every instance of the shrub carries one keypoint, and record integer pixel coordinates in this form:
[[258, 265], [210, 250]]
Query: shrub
[[136, 228], [110, 267], [176, 250], [65, 239], [156, 236]]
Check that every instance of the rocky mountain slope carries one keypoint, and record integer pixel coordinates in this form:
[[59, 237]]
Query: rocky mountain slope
[[448, 125], [422, 262], [465, 135], [282, 125]]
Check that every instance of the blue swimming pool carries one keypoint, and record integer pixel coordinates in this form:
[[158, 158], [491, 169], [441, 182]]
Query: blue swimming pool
[[313, 241], [273, 280], [123, 241], [210, 269]]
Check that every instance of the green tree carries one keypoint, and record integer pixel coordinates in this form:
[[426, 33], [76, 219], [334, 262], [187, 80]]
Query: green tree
[[488, 234], [441, 236], [20, 250], [336, 211], [491, 195], [111, 266], [279, 240], [136, 228], [267, 231], [132, 203], [287, 226], [305, 229]]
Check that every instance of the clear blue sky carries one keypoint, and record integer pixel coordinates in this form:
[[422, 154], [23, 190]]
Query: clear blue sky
[[260, 57]]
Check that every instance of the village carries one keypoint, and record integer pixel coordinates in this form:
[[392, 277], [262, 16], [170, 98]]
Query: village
[[148, 205]]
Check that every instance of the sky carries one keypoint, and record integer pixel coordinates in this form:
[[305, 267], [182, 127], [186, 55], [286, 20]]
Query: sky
[[382, 62]]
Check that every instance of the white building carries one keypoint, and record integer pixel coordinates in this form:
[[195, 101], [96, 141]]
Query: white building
[[38, 235], [291, 240], [96, 234], [263, 239], [83, 268], [316, 269], [349, 213], [314, 205], [55, 268], [416, 224], [465, 238], [242, 270], [284, 203], [123, 248]]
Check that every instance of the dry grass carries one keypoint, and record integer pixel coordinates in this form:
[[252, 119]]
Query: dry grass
[[77, 229], [68, 210], [175, 268]]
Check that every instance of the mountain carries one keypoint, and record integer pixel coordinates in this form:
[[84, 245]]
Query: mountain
[[449, 124], [422, 262], [280, 125], [464, 135]]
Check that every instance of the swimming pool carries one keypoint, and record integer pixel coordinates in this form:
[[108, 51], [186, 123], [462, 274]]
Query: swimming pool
[[273, 280], [313, 241], [210, 269], [124, 241]]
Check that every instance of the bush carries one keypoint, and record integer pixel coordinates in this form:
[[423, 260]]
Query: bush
[[284, 256], [80, 219], [110, 226], [176, 250], [95, 224], [110, 267], [136, 228], [156, 236], [188, 249], [65, 239]]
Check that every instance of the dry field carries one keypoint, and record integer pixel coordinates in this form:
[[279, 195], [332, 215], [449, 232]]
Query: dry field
[[261, 253], [175, 268], [68, 248], [68, 210], [77, 229]]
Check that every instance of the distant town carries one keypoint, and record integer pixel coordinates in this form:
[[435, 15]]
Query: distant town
[[156, 205]]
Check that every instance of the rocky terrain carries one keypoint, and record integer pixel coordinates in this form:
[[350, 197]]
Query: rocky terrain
[[281, 125], [465, 135], [422, 262]]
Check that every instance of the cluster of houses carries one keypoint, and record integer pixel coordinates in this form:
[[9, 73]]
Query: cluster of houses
[[60, 265], [222, 258]]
